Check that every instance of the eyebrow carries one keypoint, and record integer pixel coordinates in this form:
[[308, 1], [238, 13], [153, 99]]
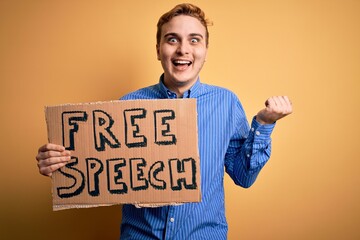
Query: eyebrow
[[177, 35]]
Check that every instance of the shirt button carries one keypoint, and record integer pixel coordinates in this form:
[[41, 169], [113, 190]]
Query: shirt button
[[248, 155], [252, 129], [172, 220], [257, 133]]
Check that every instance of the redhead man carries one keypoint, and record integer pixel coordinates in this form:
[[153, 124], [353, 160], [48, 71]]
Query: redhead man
[[225, 137]]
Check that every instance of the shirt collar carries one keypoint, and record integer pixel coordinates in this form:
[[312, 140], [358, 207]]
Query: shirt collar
[[191, 93]]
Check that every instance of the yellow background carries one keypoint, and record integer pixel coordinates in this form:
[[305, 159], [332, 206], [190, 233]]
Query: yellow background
[[54, 52]]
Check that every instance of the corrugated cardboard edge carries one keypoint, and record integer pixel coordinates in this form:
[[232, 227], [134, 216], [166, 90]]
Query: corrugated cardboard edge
[[138, 205]]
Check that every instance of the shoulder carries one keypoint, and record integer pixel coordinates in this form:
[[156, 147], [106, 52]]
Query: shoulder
[[221, 97], [220, 92]]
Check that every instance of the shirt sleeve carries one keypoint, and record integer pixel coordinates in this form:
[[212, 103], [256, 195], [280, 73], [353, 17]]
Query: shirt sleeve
[[249, 150]]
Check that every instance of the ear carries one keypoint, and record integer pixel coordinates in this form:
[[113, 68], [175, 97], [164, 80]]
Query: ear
[[158, 52]]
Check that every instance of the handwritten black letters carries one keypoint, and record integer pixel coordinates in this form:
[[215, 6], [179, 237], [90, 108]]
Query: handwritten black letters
[[121, 174]]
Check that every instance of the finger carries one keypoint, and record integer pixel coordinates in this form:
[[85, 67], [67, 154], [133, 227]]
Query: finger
[[51, 146], [270, 102], [282, 102], [51, 154], [47, 171], [288, 104], [52, 161], [282, 106], [287, 100]]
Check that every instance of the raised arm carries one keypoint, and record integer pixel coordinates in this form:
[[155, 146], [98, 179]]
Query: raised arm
[[246, 157]]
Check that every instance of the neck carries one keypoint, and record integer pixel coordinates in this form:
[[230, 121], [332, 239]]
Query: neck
[[179, 88]]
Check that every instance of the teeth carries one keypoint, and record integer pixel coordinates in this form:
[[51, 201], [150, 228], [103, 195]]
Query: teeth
[[182, 62]]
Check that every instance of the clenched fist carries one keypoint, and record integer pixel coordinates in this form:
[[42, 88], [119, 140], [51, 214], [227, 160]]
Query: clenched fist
[[276, 108]]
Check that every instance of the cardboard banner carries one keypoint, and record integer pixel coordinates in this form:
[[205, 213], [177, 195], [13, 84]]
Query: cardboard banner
[[135, 151]]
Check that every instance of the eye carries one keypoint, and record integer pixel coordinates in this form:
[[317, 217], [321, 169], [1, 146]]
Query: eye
[[195, 40], [172, 40]]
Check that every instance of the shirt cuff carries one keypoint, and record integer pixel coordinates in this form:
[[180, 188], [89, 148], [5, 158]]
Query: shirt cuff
[[259, 131]]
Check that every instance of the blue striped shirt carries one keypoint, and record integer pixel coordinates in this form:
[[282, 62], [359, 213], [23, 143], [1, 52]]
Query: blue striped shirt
[[225, 140]]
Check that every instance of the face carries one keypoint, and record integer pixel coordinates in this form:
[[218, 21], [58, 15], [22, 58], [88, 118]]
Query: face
[[182, 51]]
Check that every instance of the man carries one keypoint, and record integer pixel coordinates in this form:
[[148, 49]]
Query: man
[[225, 138]]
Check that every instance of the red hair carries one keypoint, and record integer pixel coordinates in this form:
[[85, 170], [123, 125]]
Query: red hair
[[183, 9]]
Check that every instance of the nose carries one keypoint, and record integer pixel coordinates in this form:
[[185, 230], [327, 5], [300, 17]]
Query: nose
[[183, 48]]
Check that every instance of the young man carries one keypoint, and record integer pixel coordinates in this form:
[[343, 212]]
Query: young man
[[225, 138]]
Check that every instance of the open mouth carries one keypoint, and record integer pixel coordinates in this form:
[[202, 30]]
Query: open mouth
[[181, 63]]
